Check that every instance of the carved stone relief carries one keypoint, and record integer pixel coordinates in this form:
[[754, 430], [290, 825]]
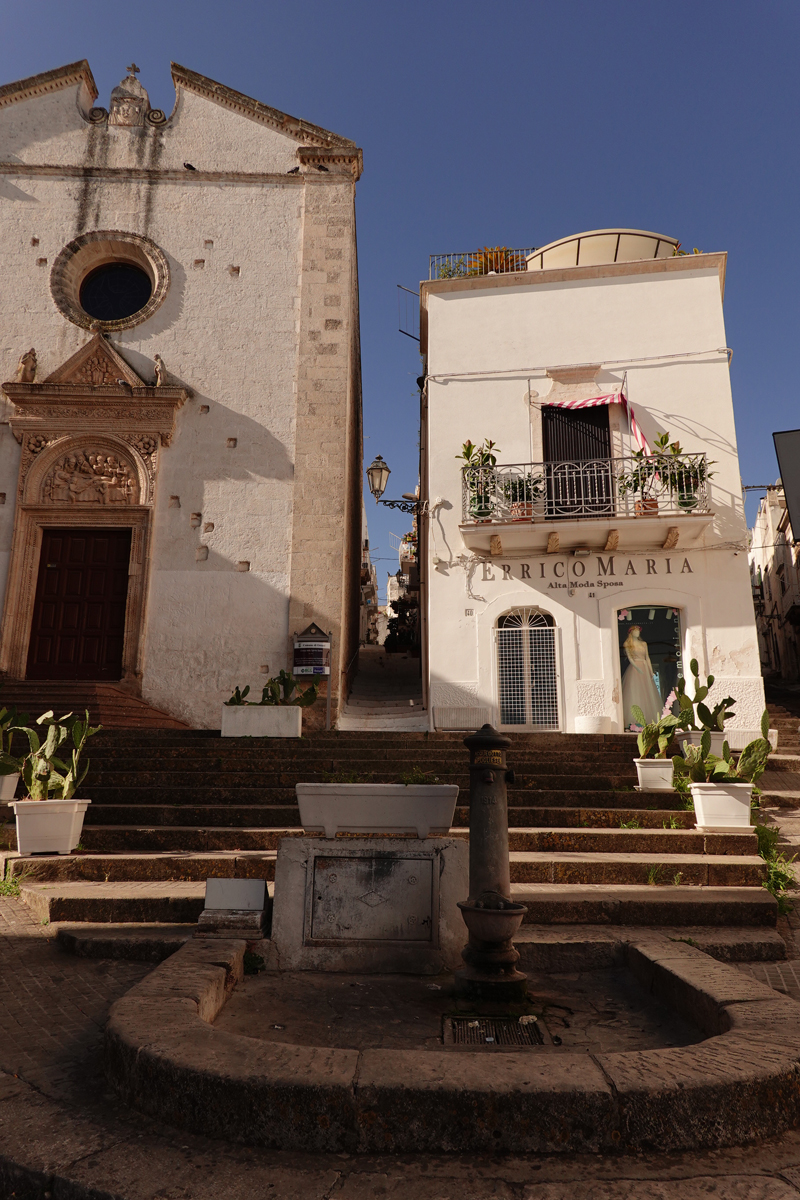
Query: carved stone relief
[[90, 477], [96, 370]]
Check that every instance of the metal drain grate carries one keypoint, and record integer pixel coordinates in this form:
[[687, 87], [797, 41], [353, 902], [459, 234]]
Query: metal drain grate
[[492, 1031]]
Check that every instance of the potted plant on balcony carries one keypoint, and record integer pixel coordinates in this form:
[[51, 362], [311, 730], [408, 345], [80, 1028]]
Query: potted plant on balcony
[[417, 806], [520, 493], [277, 714], [50, 818], [721, 788], [653, 767], [479, 480], [711, 720]]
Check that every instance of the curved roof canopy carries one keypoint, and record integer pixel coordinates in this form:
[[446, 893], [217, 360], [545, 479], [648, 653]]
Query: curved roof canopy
[[602, 246]]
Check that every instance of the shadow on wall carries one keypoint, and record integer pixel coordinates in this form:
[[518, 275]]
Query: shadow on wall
[[209, 633]]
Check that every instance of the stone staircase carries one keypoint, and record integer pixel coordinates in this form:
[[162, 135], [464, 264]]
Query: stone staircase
[[172, 807], [386, 694], [108, 705]]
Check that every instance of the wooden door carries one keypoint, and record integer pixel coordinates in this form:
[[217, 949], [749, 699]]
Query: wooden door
[[577, 454], [78, 624]]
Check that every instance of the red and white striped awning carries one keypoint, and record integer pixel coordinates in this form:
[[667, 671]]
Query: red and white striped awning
[[613, 398]]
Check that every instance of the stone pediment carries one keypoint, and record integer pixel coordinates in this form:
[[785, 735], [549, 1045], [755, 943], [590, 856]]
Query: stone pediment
[[94, 391], [97, 364]]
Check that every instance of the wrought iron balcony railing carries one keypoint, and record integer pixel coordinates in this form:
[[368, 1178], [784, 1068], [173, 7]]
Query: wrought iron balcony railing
[[498, 260], [637, 486]]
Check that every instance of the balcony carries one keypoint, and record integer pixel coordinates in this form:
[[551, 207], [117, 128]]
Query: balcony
[[637, 502], [492, 260]]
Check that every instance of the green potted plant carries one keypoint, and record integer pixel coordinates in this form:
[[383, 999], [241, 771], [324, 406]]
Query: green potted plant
[[711, 720], [653, 767], [11, 722], [479, 477], [721, 788], [50, 818], [277, 714], [666, 471], [520, 493]]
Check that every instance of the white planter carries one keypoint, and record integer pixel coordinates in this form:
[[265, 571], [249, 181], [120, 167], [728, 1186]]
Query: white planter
[[584, 724], [49, 826], [694, 735], [421, 810], [721, 807], [655, 774], [262, 720], [8, 786]]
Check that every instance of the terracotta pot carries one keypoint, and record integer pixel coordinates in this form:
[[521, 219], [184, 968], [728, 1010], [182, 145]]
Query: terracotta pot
[[646, 507], [522, 510]]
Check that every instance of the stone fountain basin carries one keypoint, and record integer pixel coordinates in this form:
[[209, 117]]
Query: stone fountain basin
[[742, 1082]]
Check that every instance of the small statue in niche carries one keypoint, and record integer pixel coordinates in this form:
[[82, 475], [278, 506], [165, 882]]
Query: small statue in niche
[[161, 371], [26, 367]]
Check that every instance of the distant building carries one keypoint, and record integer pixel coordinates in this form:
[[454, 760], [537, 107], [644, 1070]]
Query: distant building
[[183, 484], [573, 571], [775, 578]]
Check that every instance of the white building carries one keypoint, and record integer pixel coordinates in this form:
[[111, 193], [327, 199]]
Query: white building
[[181, 474], [776, 586], [573, 579]]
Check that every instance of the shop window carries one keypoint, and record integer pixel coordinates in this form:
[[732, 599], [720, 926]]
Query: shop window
[[526, 669], [650, 660]]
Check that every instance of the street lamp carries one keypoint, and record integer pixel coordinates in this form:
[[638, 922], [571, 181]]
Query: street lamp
[[378, 476]]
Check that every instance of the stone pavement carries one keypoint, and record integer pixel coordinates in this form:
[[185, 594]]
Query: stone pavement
[[63, 1136]]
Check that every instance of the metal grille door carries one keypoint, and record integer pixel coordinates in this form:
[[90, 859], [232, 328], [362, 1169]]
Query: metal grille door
[[527, 678]]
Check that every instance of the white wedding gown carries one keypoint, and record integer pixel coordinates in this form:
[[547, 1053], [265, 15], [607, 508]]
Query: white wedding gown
[[639, 687]]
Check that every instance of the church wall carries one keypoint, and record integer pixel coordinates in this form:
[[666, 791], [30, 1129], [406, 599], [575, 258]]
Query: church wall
[[260, 322]]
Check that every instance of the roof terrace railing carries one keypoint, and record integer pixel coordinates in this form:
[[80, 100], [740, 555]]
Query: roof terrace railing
[[497, 260], [635, 486]]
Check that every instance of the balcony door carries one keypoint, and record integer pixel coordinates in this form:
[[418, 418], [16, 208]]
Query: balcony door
[[577, 455], [78, 627]]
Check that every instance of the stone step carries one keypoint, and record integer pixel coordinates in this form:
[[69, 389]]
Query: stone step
[[141, 868], [672, 870], [265, 816], [684, 907], [107, 705], [152, 902], [136, 943], [194, 838], [363, 758], [562, 948], [527, 866]]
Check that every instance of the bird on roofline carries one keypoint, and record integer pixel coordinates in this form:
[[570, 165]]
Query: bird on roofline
[[189, 167], [293, 171]]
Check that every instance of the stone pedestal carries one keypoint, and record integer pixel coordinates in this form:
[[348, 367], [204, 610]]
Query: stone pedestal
[[374, 905]]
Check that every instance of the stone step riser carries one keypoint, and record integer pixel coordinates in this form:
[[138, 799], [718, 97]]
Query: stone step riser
[[649, 906], [686, 870], [361, 760], [146, 910], [199, 839], [229, 783], [288, 816]]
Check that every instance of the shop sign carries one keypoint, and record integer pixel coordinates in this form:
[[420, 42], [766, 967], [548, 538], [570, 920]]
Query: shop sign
[[597, 573]]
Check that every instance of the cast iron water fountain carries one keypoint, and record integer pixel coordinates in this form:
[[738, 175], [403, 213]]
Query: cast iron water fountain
[[490, 914]]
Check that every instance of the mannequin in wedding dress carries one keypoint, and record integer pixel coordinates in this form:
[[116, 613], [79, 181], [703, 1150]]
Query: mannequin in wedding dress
[[638, 684]]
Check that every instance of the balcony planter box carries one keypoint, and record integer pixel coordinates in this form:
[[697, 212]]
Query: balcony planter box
[[49, 826], [722, 806], [262, 720], [694, 735], [419, 810], [655, 774], [8, 787]]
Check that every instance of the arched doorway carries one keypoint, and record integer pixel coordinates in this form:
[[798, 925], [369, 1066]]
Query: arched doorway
[[527, 679]]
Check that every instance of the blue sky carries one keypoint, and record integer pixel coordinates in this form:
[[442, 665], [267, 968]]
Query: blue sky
[[512, 123]]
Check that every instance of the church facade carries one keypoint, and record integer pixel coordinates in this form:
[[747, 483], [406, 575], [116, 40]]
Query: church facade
[[180, 450]]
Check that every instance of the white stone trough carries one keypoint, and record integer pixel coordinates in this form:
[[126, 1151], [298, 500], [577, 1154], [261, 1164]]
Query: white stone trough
[[416, 810]]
